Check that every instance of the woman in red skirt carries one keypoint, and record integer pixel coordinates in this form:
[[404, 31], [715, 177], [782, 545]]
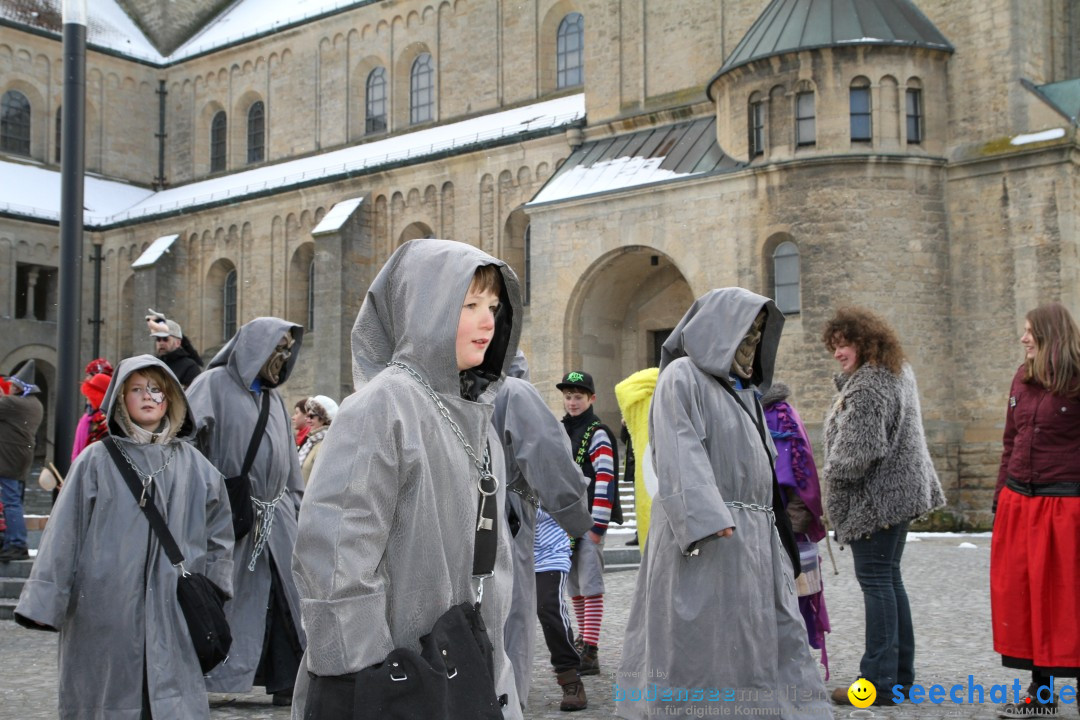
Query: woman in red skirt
[[1035, 554]]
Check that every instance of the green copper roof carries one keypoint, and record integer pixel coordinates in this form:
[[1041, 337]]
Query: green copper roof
[[1063, 96], [791, 25]]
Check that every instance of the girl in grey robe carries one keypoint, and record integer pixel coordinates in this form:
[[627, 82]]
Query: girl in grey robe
[[714, 627], [102, 579], [389, 517], [225, 401]]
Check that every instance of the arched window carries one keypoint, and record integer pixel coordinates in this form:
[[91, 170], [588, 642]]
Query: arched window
[[421, 90], [570, 51], [256, 132], [755, 123], [859, 104], [218, 127], [15, 123], [311, 296], [59, 132], [805, 120], [228, 325], [375, 101], [914, 109], [786, 277]]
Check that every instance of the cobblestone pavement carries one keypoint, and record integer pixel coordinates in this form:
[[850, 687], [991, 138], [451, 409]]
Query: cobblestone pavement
[[949, 590]]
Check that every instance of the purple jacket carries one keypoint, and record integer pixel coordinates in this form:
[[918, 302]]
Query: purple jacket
[[795, 466]]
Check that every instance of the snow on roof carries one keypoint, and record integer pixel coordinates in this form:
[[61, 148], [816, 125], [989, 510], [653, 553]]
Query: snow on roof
[[108, 26], [157, 248], [337, 216], [35, 192], [247, 18], [615, 174], [1038, 137]]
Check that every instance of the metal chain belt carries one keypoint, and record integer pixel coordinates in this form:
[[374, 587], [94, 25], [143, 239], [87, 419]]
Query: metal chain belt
[[146, 479], [748, 506], [526, 495]]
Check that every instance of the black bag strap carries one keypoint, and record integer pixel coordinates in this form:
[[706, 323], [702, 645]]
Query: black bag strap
[[256, 437], [780, 518], [157, 523], [487, 540]]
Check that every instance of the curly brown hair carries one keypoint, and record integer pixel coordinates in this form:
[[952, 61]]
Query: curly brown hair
[[874, 340]]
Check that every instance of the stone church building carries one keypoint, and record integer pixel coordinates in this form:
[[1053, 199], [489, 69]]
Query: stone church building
[[264, 157]]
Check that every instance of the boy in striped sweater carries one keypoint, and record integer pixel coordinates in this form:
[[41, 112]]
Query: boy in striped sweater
[[595, 451]]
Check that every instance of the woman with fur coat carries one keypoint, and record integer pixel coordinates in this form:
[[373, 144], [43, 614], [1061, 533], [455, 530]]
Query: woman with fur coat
[[878, 477]]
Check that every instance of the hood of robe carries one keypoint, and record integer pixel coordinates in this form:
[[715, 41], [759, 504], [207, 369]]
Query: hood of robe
[[247, 350], [712, 329], [418, 295], [181, 421], [519, 366]]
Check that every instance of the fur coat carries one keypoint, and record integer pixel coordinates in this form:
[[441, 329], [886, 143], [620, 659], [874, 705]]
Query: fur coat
[[878, 470]]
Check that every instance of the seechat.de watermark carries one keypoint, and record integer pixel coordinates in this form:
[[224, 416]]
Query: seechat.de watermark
[[862, 693]]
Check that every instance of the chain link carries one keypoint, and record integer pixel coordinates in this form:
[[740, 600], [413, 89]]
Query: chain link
[[748, 506], [146, 479], [485, 466]]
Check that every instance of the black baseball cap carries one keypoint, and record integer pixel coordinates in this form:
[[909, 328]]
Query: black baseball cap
[[577, 379]]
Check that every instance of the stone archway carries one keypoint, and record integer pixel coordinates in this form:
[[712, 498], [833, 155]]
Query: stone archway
[[623, 304]]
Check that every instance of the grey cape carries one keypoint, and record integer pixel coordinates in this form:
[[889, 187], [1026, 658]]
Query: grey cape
[[719, 629], [540, 468], [102, 579], [226, 410], [388, 521]]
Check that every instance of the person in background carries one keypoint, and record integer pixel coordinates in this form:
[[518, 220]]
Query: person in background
[[20, 416], [634, 395], [175, 350], [300, 423], [101, 577], [801, 492], [92, 425], [227, 400], [320, 412], [1034, 567], [593, 444], [878, 477]]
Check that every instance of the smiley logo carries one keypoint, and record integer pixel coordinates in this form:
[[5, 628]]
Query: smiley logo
[[862, 693]]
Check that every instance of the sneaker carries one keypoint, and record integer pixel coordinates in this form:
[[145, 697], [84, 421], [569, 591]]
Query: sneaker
[[590, 660], [573, 691], [14, 552], [1028, 707]]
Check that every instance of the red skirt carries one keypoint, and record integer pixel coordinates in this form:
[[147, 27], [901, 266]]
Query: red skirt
[[1035, 580]]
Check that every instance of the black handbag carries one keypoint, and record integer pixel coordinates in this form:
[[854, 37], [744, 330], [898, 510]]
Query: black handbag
[[201, 601], [451, 678], [239, 486]]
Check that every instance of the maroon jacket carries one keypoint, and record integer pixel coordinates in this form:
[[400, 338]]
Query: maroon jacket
[[1042, 436]]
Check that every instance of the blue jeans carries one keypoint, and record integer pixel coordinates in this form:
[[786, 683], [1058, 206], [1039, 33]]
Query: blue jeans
[[11, 491], [889, 657]]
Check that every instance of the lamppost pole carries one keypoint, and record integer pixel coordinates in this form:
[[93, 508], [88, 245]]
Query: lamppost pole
[[72, 168]]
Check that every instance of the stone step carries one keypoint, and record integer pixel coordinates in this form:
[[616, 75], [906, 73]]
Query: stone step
[[7, 609], [20, 569], [11, 587]]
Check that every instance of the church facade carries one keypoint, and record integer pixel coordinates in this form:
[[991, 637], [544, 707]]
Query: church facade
[[917, 157]]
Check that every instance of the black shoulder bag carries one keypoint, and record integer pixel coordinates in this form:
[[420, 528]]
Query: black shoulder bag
[[239, 486], [202, 603]]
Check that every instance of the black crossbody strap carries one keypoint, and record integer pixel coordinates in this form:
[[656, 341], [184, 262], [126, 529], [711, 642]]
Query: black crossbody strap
[[157, 523], [256, 437]]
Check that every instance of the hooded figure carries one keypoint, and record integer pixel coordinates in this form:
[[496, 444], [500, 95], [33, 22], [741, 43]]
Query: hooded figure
[[540, 471], [715, 619], [102, 579], [225, 401], [388, 523]]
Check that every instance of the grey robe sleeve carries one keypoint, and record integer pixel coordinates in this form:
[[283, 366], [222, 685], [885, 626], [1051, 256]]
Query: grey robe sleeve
[[541, 448], [219, 532], [687, 483], [45, 597], [343, 533], [861, 437]]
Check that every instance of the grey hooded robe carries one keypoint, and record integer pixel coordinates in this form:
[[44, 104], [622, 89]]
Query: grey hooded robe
[[540, 463], [720, 629], [389, 517], [226, 410], [102, 579]]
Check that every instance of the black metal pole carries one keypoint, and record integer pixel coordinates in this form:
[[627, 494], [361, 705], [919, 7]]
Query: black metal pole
[[72, 167], [96, 320]]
